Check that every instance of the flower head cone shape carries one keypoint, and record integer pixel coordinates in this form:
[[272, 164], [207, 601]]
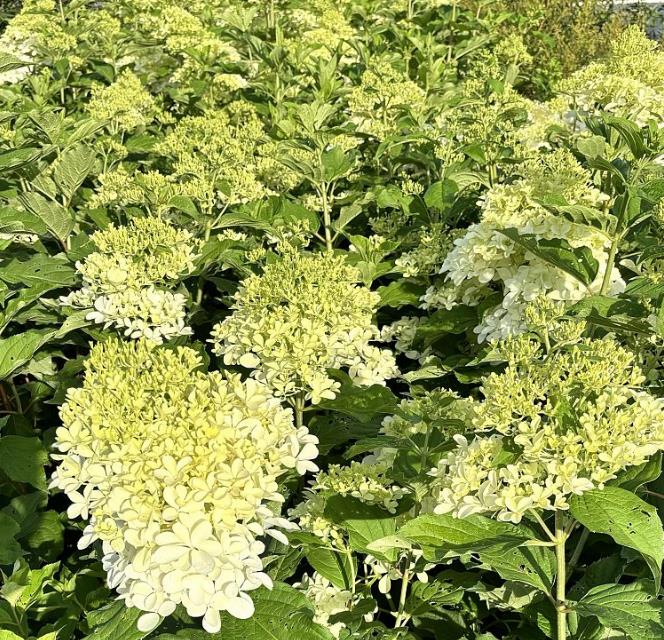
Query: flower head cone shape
[[548, 428], [305, 314], [484, 257], [127, 282], [177, 472], [628, 82]]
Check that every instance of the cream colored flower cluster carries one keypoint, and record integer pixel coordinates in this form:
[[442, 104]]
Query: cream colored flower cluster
[[36, 30], [484, 256], [125, 105], [305, 314], [219, 157], [128, 281], [369, 483], [548, 428], [177, 472], [629, 82], [384, 95], [328, 600]]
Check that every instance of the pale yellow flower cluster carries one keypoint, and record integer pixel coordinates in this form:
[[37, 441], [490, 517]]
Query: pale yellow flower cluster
[[367, 482], [629, 82], [125, 105], [384, 95], [220, 159], [548, 428], [485, 256], [128, 280], [305, 314], [177, 472]]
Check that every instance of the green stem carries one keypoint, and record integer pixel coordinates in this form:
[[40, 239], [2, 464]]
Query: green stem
[[561, 609], [613, 251], [574, 560], [298, 409], [402, 596], [327, 218]]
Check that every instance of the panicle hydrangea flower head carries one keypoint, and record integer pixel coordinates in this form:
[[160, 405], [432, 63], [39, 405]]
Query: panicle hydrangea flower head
[[219, 156], [629, 82], [485, 257], [126, 104], [35, 33], [548, 428], [177, 472], [305, 314], [384, 95], [328, 600], [127, 280]]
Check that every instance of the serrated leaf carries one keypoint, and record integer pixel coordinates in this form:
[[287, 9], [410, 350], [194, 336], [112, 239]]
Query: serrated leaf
[[16, 158], [281, 614], [632, 608], [72, 167], [579, 263], [629, 520], [58, 220], [22, 459], [333, 565], [38, 270], [115, 622], [16, 350], [497, 544], [362, 403], [400, 293]]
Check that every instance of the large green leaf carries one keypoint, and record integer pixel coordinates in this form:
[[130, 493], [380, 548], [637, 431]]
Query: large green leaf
[[629, 520], [281, 614], [38, 270], [72, 167], [58, 219], [499, 545], [333, 565], [23, 460], [579, 263], [16, 350], [10, 550], [362, 403], [115, 622], [632, 608]]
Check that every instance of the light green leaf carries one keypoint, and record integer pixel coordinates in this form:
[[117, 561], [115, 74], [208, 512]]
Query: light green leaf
[[38, 270], [498, 545], [400, 293], [15, 158], [58, 219], [115, 622], [632, 608], [629, 520], [72, 167], [23, 460], [333, 565], [362, 403], [16, 350], [579, 263]]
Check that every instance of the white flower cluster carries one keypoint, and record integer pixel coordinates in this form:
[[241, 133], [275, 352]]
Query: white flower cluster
[[549, 428], [629, 82], [328, 600], [305, 314], [177, 472], [127, 281], [485, 256]]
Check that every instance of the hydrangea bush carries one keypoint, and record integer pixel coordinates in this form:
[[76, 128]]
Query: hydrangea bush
[[328, 321]]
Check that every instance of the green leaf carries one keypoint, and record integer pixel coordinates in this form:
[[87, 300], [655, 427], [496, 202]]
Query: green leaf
[[39, 270], [8, 635], [281, 614], [58, 219], [400, 293], [455, 321], [629, 520], [592, 147], [72, 167], [23, 460], [336, 164], [333, 565], [579, 263], [16, 350], [362, 403], [16, 158], [8, 62], [632, 608], [440, 195], [630, 133], [115, 622], [498, 545], [10, 550], [364, 523]]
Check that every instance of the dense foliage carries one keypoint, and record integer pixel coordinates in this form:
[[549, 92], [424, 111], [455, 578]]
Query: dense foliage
[[330, 320]]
